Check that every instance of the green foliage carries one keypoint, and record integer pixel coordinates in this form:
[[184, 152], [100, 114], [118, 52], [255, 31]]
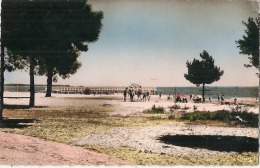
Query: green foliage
[[220, 115], [197, 116], [204, 71], [155, 110], [53, 33], [249, 119], [249, 44]]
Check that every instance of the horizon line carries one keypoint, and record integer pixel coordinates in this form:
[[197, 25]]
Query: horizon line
[[127, 85]]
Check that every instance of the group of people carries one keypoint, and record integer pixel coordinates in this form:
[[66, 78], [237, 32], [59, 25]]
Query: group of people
[[222, 100], [141, 95], [181, 100]]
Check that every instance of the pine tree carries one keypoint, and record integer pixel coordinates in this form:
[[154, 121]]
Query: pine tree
[[203, 72]]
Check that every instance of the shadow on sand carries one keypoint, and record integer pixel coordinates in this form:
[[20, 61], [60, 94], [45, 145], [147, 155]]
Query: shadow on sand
[[213, 142], [16, 123], [13, 106]]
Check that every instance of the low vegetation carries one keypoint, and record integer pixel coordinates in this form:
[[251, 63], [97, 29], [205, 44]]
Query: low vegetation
[[63, 124], [155, 110], [242, 118]]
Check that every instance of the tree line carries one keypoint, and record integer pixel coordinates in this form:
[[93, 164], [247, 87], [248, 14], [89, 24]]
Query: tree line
[[45, 37]]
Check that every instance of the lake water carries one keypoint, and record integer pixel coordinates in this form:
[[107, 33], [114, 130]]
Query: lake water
[[213, 92]]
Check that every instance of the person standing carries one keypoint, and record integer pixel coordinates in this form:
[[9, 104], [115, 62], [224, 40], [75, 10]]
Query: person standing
[[125, 93], [131, 93], [235, 101], [222, 99], [139, 93], [148, 95]]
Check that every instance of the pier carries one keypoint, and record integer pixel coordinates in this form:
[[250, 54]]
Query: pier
[[94, 89]]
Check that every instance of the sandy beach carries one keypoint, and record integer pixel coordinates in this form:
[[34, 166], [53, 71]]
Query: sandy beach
[[125, 108], [143, 139]]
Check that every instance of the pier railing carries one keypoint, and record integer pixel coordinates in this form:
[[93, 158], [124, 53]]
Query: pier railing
[[93, 90]]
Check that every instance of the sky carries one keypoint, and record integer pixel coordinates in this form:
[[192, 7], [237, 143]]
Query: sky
[[148, 42]]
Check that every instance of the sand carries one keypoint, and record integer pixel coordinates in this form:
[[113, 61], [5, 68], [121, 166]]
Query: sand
[[143, 139], [146, 139], [121, 107], [25, 150]]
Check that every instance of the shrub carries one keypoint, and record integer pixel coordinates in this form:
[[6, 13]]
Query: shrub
[[221, 115], [249, 119], [155, 110]]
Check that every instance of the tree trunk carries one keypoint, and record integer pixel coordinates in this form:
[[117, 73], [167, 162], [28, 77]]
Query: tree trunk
[[203, 92], [49, 82], [259, 88], [32, 89], [2, 82]]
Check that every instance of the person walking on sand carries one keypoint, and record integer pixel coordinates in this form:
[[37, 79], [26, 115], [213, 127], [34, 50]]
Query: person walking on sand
[[160, 95], [139, 93], [144, 97], [148, 95], [218, 98], [125, 93]]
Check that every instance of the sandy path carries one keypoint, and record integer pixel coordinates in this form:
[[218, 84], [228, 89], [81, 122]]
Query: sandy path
[[25, 150]]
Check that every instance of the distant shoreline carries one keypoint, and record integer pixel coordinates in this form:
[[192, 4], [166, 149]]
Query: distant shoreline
[[207, 86]]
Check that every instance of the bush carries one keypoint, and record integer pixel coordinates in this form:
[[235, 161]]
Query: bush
[[221, 115], [155, 110], [197, 116], [249, 119]]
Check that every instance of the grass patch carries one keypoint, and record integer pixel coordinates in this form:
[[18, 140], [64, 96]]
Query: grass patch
[[249, 119], [149, 159], [62, 124], [218, 115], [155, 110]]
